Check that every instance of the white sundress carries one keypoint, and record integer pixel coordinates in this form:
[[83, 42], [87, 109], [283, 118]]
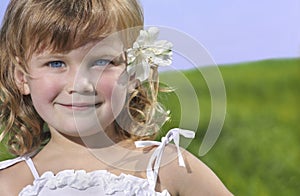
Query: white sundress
[[101, 182]]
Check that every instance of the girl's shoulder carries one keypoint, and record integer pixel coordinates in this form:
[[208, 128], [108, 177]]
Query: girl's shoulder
[[10, 162], [194, 178], [14, 175], [180, 171]]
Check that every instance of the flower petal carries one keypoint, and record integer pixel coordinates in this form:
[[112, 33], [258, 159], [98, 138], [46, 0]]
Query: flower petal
[[142, 71], [147, 52]]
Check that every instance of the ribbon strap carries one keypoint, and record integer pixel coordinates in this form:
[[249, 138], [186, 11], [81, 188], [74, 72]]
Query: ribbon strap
[[155, 159]]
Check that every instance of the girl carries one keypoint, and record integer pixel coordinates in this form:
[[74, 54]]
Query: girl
[[75, 95]]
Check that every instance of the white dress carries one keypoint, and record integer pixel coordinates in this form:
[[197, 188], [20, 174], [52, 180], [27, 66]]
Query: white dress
[[100, 182]]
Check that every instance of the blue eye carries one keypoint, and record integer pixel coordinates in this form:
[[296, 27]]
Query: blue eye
[[56, 64], [102, 62]]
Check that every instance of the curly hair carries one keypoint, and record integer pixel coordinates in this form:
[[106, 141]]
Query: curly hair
[[31, 26]]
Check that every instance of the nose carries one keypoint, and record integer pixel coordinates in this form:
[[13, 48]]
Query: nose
[[82, 83]]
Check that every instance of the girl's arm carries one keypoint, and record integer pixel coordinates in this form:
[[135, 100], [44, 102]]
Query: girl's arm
[[195, 179]]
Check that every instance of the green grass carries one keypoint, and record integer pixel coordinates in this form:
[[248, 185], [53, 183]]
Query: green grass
[[258, 150]]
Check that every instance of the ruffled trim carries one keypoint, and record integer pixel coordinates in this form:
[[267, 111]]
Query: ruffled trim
[[81, 180]]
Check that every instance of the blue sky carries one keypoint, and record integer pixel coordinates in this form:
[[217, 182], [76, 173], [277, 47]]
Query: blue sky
[[233, 30]]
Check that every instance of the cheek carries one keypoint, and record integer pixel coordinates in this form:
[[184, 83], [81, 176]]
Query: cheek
[[44, 90], [112, 91], [106, 87], [108, 84]]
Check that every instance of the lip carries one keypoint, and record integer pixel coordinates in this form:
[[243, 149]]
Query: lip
[[79, 106]]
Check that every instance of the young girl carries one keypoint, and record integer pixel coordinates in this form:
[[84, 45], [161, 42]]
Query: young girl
[[77, 91]]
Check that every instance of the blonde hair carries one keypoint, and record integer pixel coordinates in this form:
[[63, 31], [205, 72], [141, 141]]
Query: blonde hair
[[59, 25]]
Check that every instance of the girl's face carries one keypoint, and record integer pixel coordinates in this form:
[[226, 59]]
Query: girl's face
[[78, 92]]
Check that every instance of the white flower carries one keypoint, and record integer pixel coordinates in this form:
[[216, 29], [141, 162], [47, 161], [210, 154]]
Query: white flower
[[147, 52]]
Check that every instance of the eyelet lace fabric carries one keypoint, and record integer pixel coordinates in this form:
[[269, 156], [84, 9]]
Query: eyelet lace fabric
[[80, 182]]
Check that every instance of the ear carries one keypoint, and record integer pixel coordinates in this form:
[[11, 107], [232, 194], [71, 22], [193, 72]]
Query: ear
[[21, 81]]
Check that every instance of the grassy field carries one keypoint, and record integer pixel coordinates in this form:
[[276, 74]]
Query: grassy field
[[258, 151]]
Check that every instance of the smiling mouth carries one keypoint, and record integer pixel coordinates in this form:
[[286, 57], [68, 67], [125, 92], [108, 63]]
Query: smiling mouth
[[80, 106]]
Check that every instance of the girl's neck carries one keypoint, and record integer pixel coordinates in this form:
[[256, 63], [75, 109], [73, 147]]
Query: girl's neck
[[67, 152], [65, 143]]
